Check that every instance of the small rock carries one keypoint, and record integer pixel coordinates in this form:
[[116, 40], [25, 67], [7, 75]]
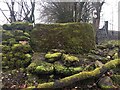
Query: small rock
[[98, 64], [105, 82]]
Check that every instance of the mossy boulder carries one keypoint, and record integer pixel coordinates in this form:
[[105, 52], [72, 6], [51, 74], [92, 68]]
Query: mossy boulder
[[52, 57], [18, 26], [106, 83], [70, 60], [71, 37], [22, 48], [7, 35], [63, 70], [40, 67]]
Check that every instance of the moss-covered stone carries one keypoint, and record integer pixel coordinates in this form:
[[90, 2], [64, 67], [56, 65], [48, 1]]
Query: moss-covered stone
[[63, 70], [18, 32], [7, 35], [80, 76], [71, 37], [22, 48], [106, 83], [69, 60], [18, 26], [116, 79], [40, 67], [51, 57], [22, 38], [7, 27]]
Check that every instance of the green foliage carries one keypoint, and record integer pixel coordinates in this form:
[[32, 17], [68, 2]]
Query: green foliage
[[71, 37]]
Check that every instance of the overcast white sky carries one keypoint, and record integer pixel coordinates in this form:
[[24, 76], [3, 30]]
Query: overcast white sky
[[109, 13]]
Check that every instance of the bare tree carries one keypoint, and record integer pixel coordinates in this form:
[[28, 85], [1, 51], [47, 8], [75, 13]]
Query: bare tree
[[25, 11], [96, 20], [64, 11]]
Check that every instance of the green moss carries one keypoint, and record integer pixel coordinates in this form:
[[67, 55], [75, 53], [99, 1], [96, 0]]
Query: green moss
[[7, 35], [40, 67], [116, 79], [22, 38], [7, 27], [18, 33], [77, 77], [31, 68], [28, 56], [107, 87], [6, 48], [112, 63], [69, 60], [5, 42], [60, 69], [22, 48], [27, 34], [11, 41], [46, 85], [44, 69], [51, 57], [18, 26], [21, 26], [71, 37]]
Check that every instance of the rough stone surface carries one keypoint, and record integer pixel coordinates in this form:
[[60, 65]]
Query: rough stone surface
[[71, 37]]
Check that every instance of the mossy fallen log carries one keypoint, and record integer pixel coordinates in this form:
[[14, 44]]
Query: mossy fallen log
[[81, 76]]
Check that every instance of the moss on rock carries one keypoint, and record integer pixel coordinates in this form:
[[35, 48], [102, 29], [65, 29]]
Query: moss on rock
[[40, 67], [69, 60], [63, 70], [71, 37], [18, 26], [51, 57]]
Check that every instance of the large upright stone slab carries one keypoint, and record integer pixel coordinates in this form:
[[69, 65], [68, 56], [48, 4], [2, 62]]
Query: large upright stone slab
[[72, 37]]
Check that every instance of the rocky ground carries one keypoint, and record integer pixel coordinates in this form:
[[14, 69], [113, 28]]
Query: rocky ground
[[24, 68], [57, 64]]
